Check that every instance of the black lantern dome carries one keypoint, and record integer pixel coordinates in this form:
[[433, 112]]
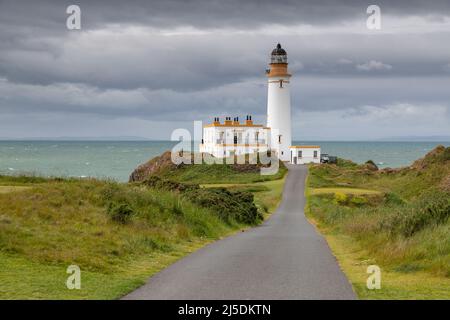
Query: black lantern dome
[[278, 55]]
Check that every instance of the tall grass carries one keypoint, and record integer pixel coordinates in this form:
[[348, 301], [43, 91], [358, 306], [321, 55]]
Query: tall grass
[[99, 225], [407, 229]]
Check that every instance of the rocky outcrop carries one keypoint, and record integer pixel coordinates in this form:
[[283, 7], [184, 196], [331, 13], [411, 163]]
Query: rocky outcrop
[[163, 163], [153, 166], [370, 165], [439, 154]]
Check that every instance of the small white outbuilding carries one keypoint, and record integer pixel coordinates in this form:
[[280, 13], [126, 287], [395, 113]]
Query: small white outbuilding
[[305, 154]]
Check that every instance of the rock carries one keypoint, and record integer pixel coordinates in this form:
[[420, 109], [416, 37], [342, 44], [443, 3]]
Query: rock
[[371, 165], [388, 170], [153, 166]]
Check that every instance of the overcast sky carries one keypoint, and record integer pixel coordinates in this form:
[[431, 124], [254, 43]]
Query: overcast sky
[[144, 68]]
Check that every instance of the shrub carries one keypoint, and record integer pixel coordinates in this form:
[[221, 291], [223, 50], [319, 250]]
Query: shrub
[[358, 201], [177, 208], [228, 205], [343, 163], [340, 198], [431, 209], [393, 198], [156, 182], [120, 212]]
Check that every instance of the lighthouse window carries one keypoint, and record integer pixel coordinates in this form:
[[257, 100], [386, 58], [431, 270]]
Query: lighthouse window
[[279, 138], [315, 154], [299, 153]]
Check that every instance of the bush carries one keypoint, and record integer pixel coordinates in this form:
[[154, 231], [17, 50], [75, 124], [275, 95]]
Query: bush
[[358, 201], [177, 208], [343, 163], [120, 212], [340, 198], [393, 198], [431, 209], [228, 205], [156, 182]]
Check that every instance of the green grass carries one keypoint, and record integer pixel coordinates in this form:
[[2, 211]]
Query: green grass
[[8, 189], [219, 174], [23, 278], [354, 261], [118, 234], [357, 191], [402, 225], [240, 171]]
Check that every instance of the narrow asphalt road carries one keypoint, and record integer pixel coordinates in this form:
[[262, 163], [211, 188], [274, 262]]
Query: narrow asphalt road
[[284, 258]]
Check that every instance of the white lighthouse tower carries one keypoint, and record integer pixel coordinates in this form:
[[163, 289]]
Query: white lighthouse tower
[[279, 104]]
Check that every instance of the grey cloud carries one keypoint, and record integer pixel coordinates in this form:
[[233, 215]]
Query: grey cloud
[[138, 59], [373, 65], [128, 63]]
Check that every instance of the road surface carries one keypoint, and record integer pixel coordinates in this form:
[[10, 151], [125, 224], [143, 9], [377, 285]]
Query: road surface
[[284, 258]]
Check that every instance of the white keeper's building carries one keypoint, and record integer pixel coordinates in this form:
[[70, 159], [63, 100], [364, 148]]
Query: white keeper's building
[[305, 154], [234, 138]]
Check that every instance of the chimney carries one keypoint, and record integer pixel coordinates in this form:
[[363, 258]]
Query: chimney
[[228, 121], [249, 121], [216, 120], [236, 121]]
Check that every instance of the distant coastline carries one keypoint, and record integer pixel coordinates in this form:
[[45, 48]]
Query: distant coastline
[[436, 138]]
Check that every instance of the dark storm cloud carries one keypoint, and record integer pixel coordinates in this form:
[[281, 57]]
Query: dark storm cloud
[[210, 13], [36, 48]]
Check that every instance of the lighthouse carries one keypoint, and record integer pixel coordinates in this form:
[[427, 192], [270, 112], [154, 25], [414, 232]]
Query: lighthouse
[[279, 104]]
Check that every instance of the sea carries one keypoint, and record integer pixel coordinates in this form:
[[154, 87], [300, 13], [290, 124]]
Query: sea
[[117, 159]]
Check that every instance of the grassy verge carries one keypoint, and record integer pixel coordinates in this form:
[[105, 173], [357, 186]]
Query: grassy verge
[[398, 220], [25, 278], [118, 234]]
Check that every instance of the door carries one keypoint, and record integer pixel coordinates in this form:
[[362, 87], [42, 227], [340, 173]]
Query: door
[[295, 160]]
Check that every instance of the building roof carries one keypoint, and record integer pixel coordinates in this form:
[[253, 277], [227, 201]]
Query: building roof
[[304, 147], [235, 125]]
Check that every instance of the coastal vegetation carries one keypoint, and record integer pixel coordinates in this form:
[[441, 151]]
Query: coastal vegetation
[[398, 219], [240, 171], [119, 234]]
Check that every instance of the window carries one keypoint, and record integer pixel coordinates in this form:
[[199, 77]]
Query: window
[[279, 138], [300, 153], [315, 153]]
